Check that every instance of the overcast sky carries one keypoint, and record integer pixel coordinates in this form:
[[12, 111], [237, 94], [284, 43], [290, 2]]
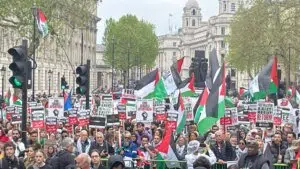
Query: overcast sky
[[155, 11]]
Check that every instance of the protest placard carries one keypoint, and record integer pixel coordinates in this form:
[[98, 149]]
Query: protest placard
[[38, 119], [56, 107], [97, 122], [51, 124], [264, 116], [160, 110], [144, 110]]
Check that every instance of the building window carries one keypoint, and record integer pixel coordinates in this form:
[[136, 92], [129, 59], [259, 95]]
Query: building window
[[225, 7], [174, 44], [194, 12], [187, 22], [174, 53], [223, 31], [232, 7], [193, 22], [222, 44], [233, 72], [222, 56]]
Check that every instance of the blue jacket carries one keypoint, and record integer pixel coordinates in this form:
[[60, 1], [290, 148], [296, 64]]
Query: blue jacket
[[130, 151]]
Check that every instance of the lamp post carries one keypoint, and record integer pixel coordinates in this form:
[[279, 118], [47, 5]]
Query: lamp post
[[3, 70], [49, 75]]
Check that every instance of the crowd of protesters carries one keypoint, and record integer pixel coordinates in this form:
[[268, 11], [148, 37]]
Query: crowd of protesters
[[99, 149]]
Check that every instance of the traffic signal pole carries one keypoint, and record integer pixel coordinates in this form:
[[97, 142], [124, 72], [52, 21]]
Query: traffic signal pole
[[24, 96], [87, 95]]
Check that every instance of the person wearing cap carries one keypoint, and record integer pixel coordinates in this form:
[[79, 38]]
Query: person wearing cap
[[290, 154], [253, 159], [140, 132]]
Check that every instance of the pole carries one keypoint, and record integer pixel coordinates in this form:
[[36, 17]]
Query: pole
[[289, 76], [128, 59], [33, 42], [24, 96], [3, 86], [113, 64], [49, 86], [81, 47], [87, 95]]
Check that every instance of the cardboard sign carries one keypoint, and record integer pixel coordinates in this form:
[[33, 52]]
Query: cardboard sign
[[72, 117], [112, 119], [160, 110], [144, 110], [105, 108], [97, 122], [122, 111], [83, 118], [51, 124], [38, 119], [56, 107], [264, 117], [172, 117]]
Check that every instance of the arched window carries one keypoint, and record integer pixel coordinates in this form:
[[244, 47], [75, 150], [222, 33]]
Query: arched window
[[193, 22], [194, 12]]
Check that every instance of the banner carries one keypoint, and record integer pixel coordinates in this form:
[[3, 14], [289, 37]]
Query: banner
[[122, 111], [51, 124], [37, 119], [264, 117], [144, 110], [97, 122], [56, 107], [160, 110], [83, 118], [72, 117], [172, 117], [112, 120]]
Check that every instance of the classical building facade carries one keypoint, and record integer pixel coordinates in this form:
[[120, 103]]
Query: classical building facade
[[197, 34], [54, 58]]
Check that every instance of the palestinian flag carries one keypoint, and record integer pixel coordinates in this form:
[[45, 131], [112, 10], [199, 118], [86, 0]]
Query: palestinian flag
[[41, 22], [171, 80], [213, 68], [179, 64], [7, 97], [297, 97], [14, 99], [187, 88], [165, 152], [145, 87], [266, 82], [212, 103], [128, 101], [229, 103], [291, 92], [181, 115]]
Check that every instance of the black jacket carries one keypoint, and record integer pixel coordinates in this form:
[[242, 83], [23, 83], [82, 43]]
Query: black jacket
[[7, 163], [278, 149], [257, 161], [44, 167], [62, 160], [105, 147], [226, 154]]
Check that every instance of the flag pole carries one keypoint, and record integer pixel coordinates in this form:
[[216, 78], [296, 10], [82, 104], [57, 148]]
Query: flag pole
[[34, 12]]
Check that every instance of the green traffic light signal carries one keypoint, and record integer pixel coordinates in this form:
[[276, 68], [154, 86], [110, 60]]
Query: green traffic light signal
[[17, 82]]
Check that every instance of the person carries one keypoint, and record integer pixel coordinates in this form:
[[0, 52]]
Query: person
[[223, 149], [33, 137], [116, 162], [83, 161], [10, 160], [40, 161], [20, 147], [202, 163], [129, 149], [181, 148], [291, 136], [140, 132], [291, 152], [96, 160], [83, 143], [144, 153], [252, 159], [64, 158], [102, 146], [278, 148], [29, 159], [193, 135], [242, 149]]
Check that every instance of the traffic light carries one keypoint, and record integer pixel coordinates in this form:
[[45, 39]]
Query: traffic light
[[64, 83], [18, 66], [82, 80]]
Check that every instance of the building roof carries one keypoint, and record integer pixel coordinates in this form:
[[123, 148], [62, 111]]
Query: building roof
[[192, 4]]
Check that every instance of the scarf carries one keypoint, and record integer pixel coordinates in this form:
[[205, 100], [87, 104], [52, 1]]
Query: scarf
[[179, 149], [79, 146]]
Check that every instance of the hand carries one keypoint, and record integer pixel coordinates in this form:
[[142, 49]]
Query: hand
[[221, 161]]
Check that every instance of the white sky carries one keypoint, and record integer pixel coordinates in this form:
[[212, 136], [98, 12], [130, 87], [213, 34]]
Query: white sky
[[154, 11]]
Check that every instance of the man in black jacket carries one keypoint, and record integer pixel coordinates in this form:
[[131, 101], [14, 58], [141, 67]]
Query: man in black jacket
[[10, 160], [102, 146], [64, 158], [252, 159], [278, 148], [223, 149]]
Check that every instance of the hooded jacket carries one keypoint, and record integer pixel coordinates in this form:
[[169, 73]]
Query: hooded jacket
[[115, 159]]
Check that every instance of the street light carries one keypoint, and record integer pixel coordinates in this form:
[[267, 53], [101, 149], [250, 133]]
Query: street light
[[3, 70], [49, 75]]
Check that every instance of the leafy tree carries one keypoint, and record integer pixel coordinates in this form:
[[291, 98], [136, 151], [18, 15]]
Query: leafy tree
[[131, 36], [264, 29], [61, 15]]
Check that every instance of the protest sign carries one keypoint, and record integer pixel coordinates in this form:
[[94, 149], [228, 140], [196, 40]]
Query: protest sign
[[16, 118], [230, 117], [172, 117], [131, 111], [144, 110], [188, 109], [264, 116], [97, 122], [9, 111], [37, 119], [160, 110], [51, 124], [112, 119], [83, 117], [56, 107], [72, 117], [122, 111], [105, 108]]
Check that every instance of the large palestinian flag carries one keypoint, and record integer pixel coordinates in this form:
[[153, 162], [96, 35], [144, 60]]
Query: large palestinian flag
[[41, 22], [187, 88], [145, 87], [212, 104], [266, 82], [171, 79], [181, 115]]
